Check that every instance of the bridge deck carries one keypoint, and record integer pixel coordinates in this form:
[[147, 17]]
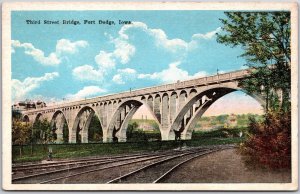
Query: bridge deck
[[231, 76]]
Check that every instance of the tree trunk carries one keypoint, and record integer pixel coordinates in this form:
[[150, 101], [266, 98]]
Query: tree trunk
[[267, 101], [31, 149], [20, 151]]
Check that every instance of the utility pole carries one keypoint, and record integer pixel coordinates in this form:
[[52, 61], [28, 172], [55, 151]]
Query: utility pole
[[218, 75]]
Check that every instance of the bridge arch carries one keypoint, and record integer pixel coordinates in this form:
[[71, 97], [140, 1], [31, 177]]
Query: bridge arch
[[195, 106], [123, 114], [79, 130], [60, 127], [193, 91], [38, 117], [26, 118], [38, 134], [150, 102], [157, 107]]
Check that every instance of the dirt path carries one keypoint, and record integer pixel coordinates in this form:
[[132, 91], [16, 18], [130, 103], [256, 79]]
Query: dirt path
[[225, 167]]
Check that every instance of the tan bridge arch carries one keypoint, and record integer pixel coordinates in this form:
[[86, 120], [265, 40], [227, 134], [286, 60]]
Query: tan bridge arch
[[175, 107]]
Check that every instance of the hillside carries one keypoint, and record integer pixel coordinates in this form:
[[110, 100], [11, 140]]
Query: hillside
[[205, 123]]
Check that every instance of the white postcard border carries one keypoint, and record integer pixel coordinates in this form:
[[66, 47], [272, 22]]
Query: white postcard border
[[6, 88]]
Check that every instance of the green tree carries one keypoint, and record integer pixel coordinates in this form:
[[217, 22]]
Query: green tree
[[265, 38], [16, 114], [21, 132], [65, 133], [134, 134], [42, 132], [95, 130]]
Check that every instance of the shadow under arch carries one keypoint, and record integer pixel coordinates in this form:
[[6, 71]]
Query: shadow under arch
[[38, 117], [206, 98], [26, 119], [60, 127], [118, 127], [75, 136]]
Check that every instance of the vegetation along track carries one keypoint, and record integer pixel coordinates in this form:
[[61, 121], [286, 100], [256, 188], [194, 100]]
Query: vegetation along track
[[104, 170]]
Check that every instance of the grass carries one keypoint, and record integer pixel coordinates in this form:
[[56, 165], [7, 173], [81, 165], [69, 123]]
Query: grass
[[64, 151]]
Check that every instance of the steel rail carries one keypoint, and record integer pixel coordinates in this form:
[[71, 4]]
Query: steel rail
[[74, 168], [103, 168], [183, 162], [72, 162], [150, 165]]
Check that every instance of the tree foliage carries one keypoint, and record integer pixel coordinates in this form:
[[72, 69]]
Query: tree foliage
[[270, 144], [65, 133], [21, 132], [16, 114], [135, 134], [95, 130], [42, 132], [265, 39]]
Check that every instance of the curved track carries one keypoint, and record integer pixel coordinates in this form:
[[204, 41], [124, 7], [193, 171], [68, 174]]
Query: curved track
[[135, 168], [158, 171]]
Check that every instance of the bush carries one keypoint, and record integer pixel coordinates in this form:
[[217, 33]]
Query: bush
[[219, 133], [269, 142]]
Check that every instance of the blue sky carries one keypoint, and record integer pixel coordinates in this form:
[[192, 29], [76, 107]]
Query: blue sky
[[55, 62]]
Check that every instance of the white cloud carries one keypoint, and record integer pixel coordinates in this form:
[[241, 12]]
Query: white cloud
[[208, 35], [63, 46], [127, 71], [160, 37], [175, 45], [172, 74], [87, 72], [105, 60], [122, 54], [198, 37], [118, 79], [124, 75], [21, 89], [66, 46], [124, 51], [86, 92]]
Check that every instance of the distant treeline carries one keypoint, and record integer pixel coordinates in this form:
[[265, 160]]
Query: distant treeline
[[221, 121]]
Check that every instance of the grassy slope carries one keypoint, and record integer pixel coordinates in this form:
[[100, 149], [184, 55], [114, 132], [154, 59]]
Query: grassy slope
[[97, 149]]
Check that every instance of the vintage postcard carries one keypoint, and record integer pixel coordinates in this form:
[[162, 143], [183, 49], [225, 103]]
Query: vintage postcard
[[177, 96]]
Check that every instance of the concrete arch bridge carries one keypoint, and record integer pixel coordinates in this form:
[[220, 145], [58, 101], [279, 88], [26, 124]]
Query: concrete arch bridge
[[176, 108]]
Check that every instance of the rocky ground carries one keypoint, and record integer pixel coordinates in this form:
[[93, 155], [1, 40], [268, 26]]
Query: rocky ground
[[225, 166]]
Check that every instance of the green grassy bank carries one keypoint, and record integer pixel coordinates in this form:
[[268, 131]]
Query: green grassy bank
[[64, 151]]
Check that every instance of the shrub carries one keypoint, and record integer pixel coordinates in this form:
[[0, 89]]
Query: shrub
[[269, 142]]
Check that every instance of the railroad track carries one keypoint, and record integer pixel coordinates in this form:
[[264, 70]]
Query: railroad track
[[158, 171], [52, 174], [105, 173], [127, 168], [47, 166], [28, 167]]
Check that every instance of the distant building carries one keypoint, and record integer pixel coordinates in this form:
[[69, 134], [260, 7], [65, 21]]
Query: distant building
[[232, 121], [28, 105], [146, 126]]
